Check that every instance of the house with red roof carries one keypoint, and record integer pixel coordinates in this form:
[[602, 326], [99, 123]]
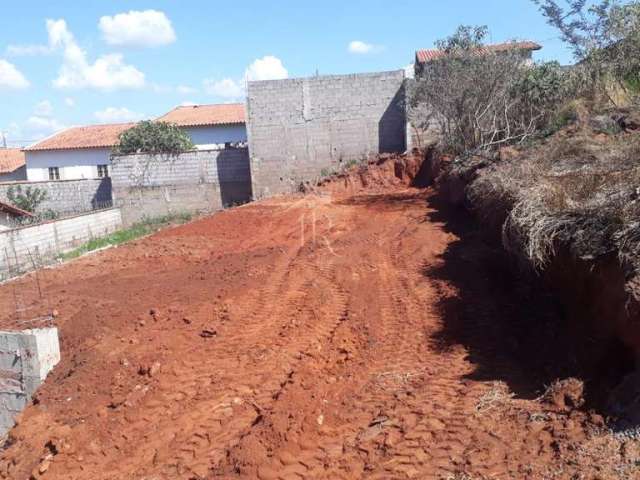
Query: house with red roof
[[85, 151], [210, 126], [12, 165], [524, 48]]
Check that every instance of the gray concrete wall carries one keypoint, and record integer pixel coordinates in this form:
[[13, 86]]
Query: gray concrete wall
[[25, 248], [26, 357], [198, 181], [298, 128], [68, 196]]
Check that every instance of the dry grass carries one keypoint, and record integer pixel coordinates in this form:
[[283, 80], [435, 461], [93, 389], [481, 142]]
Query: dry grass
[[577, 189]]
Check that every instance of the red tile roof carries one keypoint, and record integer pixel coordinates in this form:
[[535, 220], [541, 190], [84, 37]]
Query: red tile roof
[[18, 212], [201, 115], [11, 159], [90, 136], [424, 56]]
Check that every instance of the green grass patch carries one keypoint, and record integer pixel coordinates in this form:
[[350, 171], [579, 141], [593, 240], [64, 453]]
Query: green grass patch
[[146, 226]]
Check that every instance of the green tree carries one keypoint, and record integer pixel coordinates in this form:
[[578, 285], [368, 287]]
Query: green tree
[[28, 200], [466, 37], [155, 138], [481, 102], [604, 37]]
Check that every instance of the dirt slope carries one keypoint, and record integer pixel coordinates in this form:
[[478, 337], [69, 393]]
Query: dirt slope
[[326, 336]]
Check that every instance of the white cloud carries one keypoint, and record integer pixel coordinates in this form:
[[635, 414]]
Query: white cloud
[[185, 90], [108, 72], [41, 126], [43, 109], [28, 50], [149, 28], [266, 68], [69, 102], [229, 89], [42, 122], [361, 48], [11, 77], [225, 88], [114, 114]]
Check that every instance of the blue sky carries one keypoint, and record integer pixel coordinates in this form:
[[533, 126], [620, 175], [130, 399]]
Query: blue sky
[[67, 62]]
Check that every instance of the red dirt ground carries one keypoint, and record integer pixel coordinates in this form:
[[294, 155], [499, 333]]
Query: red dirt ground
[[299, 337]]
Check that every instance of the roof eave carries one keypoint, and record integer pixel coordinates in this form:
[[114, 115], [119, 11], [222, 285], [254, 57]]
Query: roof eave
[[15, 210], [52, 149]]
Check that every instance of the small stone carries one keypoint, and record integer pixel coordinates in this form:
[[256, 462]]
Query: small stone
[[208, 333], [55, 313], [44, 466], [597, 420], [186, 320], [320, 419], [154, 368], [142, 323]]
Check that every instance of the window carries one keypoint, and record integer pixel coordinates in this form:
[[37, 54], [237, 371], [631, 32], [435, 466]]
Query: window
[[103, 171], [54, 173]]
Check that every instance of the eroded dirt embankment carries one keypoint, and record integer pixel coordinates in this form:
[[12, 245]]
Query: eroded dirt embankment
[[365, 331], [598, 291]]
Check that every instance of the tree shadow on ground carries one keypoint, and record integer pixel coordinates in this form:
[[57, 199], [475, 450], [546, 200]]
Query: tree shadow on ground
[[511, 326]]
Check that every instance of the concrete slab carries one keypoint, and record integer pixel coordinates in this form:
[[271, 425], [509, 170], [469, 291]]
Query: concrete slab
[[26, 358]]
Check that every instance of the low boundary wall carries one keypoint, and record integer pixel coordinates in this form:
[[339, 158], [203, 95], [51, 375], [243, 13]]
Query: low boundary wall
[[199, 181], [25, 248], [67, 196]]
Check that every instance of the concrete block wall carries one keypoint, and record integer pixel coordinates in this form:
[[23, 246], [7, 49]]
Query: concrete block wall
[[68, 196], [23, 247], [26, 357], [299, 127], [198, 181]]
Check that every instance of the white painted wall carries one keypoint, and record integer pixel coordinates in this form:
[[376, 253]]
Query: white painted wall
[[73, 164], [207, 137]]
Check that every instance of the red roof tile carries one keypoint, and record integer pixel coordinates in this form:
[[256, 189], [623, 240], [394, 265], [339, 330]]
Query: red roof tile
[[201, 115], [90, 136], [11, 159], [424, 56], [18, 212]]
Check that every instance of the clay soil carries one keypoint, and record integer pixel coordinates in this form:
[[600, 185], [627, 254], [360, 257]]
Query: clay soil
[[345, 334]]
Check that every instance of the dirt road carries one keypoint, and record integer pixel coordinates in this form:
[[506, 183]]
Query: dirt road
[[309, 337]]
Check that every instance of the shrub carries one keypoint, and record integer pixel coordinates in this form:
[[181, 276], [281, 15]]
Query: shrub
[[605, 39], [483, 101], [28, 200], [155, 138]]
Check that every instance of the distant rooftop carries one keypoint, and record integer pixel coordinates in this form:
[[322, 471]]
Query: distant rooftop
[[11, 159], [203, 115], [429, 55], [90, 136]]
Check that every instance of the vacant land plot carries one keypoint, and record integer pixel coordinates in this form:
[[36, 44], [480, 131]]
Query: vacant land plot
[[344, 336]]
